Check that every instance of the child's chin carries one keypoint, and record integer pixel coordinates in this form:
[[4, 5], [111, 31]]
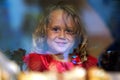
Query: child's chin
[[61, 52]]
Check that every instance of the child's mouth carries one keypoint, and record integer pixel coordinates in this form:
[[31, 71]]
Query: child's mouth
[[61, 44]]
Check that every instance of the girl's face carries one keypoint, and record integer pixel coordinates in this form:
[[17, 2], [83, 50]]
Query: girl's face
[[60, 32]]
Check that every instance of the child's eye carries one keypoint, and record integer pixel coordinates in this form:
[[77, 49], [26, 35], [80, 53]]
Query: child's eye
[[55, 29], [69, 31]]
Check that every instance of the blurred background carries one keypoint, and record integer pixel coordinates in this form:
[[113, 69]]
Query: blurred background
[[18, 19]]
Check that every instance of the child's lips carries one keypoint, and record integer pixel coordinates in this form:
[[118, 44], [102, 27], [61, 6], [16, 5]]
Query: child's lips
[[61, 44]]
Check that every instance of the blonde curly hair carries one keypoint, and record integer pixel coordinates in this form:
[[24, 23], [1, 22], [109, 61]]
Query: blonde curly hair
[[39, 35]]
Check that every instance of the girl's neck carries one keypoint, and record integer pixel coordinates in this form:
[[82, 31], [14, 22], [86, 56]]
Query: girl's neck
[[66, 55]]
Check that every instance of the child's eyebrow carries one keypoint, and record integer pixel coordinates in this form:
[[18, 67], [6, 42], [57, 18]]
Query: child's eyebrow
[[70, 27]]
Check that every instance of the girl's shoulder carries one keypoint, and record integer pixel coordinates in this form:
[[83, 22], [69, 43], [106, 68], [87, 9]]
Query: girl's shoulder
[[91, 62], [92, 58], [37, 61], [37, 56]]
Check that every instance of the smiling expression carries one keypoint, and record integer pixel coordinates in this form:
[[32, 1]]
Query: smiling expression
[[60, 32]]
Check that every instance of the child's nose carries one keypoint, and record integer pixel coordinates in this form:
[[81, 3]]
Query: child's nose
[[62, 34]]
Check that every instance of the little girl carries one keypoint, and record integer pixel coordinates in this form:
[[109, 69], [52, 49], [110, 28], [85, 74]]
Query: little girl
[[60, 42]]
